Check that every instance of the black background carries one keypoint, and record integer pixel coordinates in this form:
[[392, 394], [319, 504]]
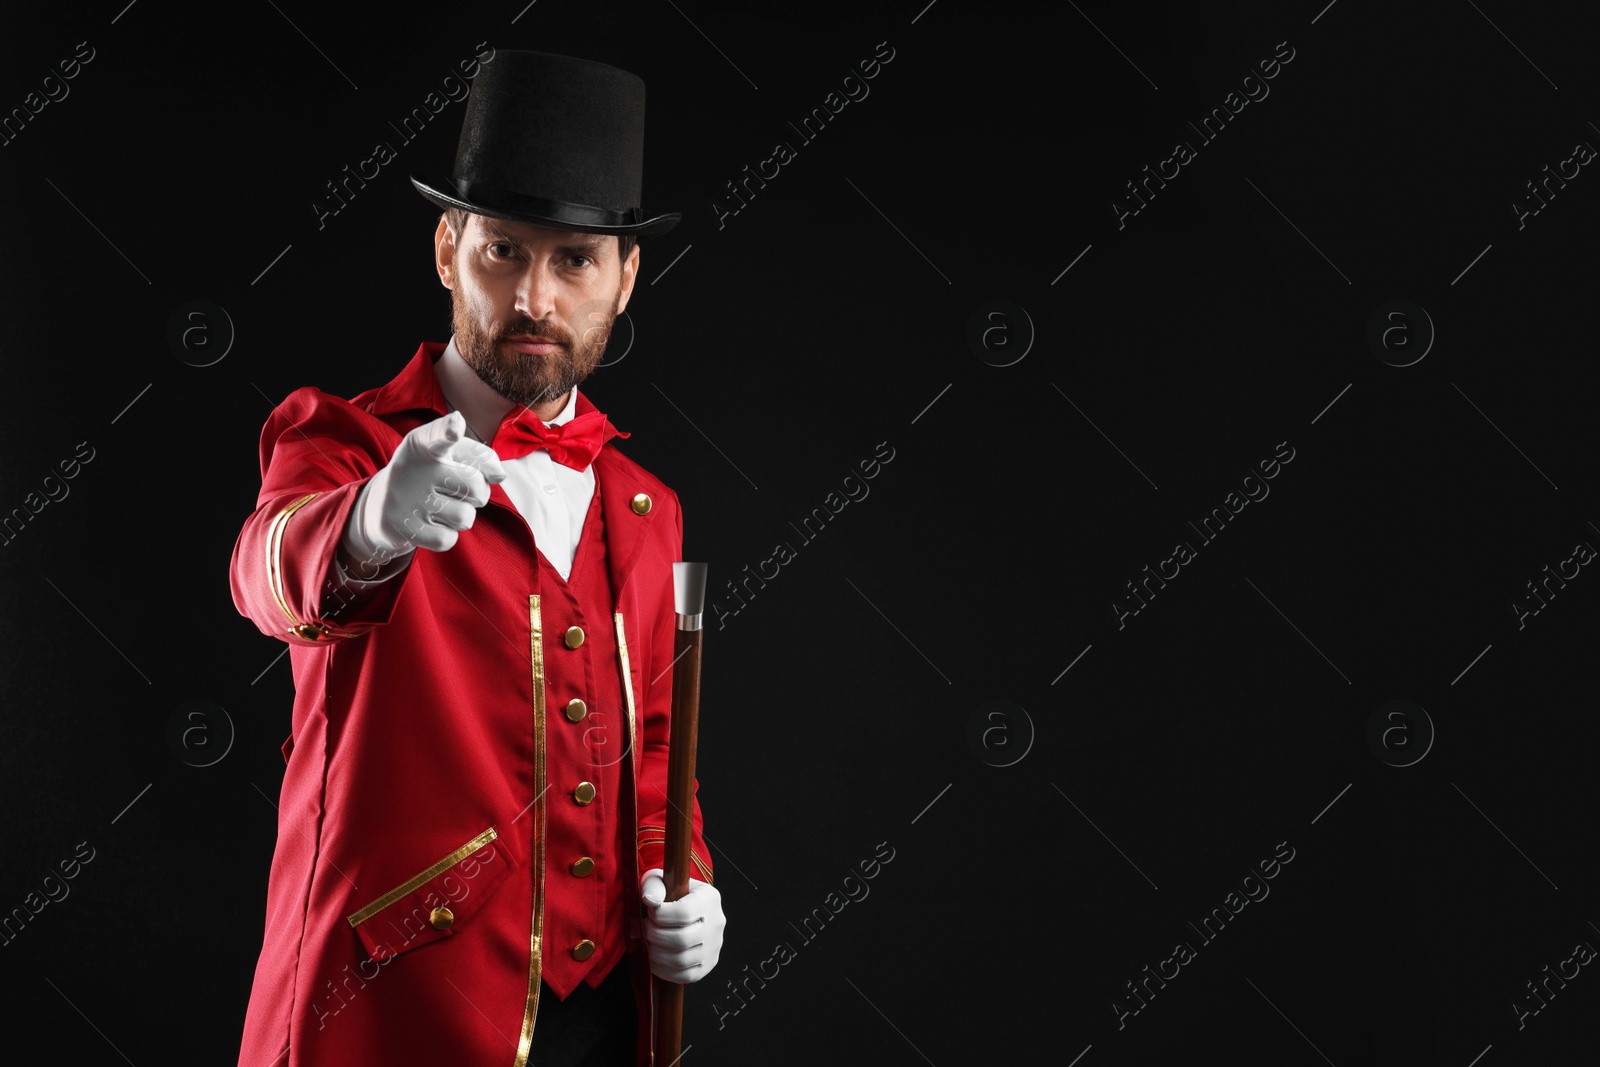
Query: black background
[[822, 319]]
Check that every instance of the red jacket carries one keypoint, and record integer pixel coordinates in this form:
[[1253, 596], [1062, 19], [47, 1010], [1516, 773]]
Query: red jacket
[[413, 805]]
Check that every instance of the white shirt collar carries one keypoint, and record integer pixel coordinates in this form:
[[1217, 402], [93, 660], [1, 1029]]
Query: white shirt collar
[[478, 402]]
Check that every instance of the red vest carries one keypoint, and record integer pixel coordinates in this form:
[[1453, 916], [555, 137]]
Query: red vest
[[584, 901]]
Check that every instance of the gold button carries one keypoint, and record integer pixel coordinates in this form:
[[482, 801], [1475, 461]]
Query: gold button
[[310, 631], [576, 710], [583, 949], [640, 504], [442, 918], [584, 793], [583, 868], [574, 636]]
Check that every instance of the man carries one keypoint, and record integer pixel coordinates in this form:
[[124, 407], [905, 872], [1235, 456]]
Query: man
[[476, 588]]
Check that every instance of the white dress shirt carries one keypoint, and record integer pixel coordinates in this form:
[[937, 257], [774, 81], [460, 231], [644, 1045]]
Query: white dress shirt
[[552, 498]]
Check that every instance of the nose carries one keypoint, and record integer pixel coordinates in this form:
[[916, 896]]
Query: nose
[[536, 292]]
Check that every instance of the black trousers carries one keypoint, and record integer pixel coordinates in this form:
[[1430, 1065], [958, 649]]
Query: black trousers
[[596, 1027]]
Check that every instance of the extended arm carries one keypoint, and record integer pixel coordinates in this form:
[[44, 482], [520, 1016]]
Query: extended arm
[[341, 510]]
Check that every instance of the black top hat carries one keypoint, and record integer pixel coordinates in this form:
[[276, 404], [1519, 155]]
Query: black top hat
[[555, 141]]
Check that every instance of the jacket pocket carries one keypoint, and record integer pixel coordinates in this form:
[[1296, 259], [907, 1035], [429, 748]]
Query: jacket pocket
[[436, 902]]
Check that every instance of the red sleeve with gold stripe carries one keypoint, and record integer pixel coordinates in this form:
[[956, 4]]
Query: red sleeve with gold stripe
[[655, 730], [317, 451], [653, 850]]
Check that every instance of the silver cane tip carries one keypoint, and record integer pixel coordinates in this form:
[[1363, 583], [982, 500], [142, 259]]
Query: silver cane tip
[[689, 587]]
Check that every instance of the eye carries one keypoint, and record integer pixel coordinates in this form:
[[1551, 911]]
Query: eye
[[586, 259], [503, 250]]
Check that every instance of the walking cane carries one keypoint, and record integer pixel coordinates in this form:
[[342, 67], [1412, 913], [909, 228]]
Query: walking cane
[[689, 594]]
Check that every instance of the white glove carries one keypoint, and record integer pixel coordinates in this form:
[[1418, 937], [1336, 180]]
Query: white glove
[[685, 935], [429, 492]]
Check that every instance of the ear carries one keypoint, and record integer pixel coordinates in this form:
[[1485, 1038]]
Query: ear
[[444, 253], [630, 271]]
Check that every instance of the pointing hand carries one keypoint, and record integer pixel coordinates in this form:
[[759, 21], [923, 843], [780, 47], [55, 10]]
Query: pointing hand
[[429, 492]]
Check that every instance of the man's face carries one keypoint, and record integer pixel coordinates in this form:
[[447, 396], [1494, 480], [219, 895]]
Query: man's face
[[532, 307]]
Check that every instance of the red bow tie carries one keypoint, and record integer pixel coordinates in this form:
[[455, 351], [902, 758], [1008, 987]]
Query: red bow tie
[[573, 443]]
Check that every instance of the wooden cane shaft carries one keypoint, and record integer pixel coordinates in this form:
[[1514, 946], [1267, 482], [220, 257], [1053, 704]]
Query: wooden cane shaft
[[680, 760], [669, 1021], [684, 737]]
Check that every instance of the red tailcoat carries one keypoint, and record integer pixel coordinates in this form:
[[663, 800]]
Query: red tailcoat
[[410, 889]]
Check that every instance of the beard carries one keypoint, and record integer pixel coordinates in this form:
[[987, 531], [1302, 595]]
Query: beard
[[528, 379]]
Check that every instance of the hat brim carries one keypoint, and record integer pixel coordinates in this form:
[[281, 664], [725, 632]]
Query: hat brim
[[651, 227]]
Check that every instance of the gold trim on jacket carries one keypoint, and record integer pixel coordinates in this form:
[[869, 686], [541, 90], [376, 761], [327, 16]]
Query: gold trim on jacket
[[694, 857], [413, 882], [311, 631], [627, 687], [535, 960]]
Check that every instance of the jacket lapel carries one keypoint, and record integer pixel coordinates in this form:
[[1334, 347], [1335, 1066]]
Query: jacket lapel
[[625, 536], [625, 530]]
